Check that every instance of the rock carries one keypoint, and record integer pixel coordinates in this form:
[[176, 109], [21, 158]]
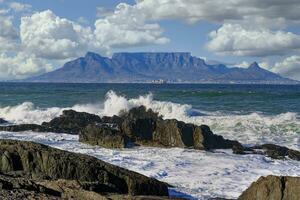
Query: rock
[[71, 122], [139, 124], [293, 154], [42, 162], [15, 188], [145, 127], [211, 141], [273, 151], [273, 188], [2, 121], [270, 150], [173, 133], [23, 127], [105, 135]]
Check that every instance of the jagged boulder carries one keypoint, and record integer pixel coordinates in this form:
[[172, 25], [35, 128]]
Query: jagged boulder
[[42, 162], [145, 127], [104, 135], [139, 124], [273, 188], [71, 122]]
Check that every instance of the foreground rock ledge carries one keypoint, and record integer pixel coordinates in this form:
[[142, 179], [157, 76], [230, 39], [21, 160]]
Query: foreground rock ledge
[[273, 188], [31, 169]]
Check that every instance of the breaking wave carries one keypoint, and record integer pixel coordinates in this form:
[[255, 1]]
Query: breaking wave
[[253, 128]]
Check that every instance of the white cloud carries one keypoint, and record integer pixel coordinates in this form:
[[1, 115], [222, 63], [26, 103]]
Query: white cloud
[[82, 20], [103, 12], [45, 38], [21, 65], [288, 67], [266, 13], [4, 11], [233, 39], [8, 35], [125, 28], [243, 64], [7, 30], [49, 36], [19, 7]]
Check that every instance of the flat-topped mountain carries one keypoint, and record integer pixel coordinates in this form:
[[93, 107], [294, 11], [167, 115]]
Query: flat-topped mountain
[[144, 67]]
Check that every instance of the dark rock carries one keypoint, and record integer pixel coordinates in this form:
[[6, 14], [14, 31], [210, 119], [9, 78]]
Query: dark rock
[[105, 135], [139, 124], [23, 188], [173, 133], [145, 127], [2, 121], [212, 141], [42, 162], [273, 151], [270, 150], [113, 120], [71, 122], [23, 127], [273, 188], [26, 188], [293, 154]]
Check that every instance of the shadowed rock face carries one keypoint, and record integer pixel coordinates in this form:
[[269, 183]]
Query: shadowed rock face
[[144, 127], [69, 122], [44, 163], [273, 188]]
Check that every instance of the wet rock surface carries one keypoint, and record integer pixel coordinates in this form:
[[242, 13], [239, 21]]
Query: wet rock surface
[[273, 188], [270, 150], [69, 122], [31, 169], [144, 127]]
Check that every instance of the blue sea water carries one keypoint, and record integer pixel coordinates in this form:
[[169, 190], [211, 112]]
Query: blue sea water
[[243, 99]]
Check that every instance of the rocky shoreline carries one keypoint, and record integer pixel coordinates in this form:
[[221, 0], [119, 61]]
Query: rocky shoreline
[[35, 169], [137, 127], [143, 127]]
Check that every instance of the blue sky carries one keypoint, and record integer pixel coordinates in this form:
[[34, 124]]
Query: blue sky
[[39, 36]]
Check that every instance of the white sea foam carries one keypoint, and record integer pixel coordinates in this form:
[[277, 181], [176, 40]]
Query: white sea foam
[[253, 128], [197, 174]]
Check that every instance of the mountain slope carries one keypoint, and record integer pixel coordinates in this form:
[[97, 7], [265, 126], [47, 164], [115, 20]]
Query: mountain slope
[[145, 67]]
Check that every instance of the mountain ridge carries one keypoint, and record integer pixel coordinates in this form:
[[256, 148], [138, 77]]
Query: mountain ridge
[[143, 67]]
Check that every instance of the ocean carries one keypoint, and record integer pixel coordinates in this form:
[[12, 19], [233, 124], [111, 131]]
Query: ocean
[[251, 114]]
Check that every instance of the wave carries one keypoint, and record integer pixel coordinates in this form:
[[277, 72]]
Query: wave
[[252, 128]]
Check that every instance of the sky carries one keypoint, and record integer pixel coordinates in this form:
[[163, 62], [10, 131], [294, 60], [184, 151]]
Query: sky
[[40, 36]]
